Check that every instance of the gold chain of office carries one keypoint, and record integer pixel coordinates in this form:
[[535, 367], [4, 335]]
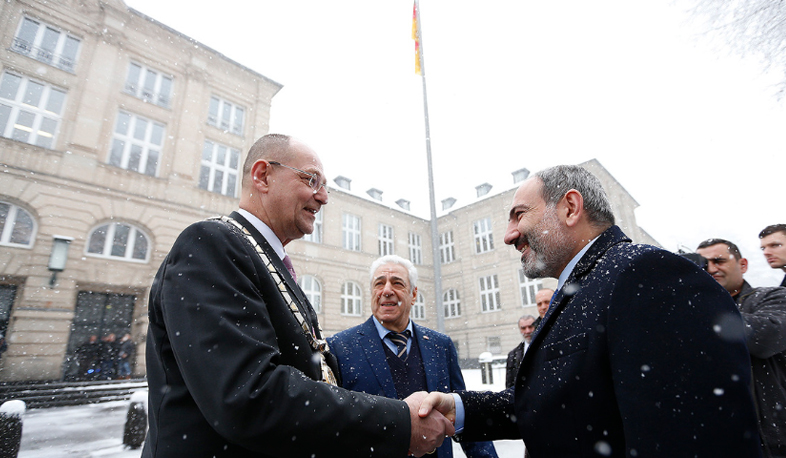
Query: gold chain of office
[[319, 345]]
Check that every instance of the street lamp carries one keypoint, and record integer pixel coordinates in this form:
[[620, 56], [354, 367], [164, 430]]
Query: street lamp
[[57, 260]]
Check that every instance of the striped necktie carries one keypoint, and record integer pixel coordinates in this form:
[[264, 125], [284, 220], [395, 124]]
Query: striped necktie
[[400, 339]]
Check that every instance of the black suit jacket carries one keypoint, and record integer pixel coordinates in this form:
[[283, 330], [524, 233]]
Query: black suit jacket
[[512, 364], [231, 373], [641, 354]]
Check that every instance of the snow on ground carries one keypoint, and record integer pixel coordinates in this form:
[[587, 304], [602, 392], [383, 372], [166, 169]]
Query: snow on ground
[[96, 430]]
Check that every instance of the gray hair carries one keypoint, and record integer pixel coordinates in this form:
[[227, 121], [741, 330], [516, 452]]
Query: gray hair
[[526, 317], [393, 259], [560, 179]]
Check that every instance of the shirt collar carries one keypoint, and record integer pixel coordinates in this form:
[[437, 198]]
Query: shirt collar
[[383, 332], [572, 264], [266, 232]]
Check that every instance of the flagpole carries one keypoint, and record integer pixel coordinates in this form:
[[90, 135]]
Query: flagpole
[[440, 311]]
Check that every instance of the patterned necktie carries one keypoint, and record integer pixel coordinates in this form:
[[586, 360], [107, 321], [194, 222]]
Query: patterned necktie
[[400, 339], [290, 268]]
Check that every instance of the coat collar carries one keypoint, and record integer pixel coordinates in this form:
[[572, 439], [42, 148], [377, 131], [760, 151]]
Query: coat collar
[[307, 311], [610, 237]]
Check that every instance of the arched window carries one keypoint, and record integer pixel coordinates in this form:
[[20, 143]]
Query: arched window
[[452, 303], [17, 226], [312, 289], [118, 240], [350, 299]]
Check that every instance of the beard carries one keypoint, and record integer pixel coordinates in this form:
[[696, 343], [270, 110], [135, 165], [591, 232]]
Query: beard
[[549, 248]]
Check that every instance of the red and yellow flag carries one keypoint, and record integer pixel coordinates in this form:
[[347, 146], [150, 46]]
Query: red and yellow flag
[[415, 36]]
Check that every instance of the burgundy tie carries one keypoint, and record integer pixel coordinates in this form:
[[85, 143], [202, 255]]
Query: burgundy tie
[[290, 268]]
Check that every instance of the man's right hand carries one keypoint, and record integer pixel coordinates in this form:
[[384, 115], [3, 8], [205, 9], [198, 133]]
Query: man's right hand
[[429, 429], [441, 402]]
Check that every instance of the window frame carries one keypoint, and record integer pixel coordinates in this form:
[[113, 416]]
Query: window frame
[[528, 287], [34, 50], [451, 305], [313, 292], [483, 235], [40, 112], [218, 120], [350, 233], [7, 231], [129, 141], [109, 242], [137, 89], [385, 237], [418, 311], [316, 235], [488, 287], [415, 245], [353, 299], [447, 248], [213, 168]]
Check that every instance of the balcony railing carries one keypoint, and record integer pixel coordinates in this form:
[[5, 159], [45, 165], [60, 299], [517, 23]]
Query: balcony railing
[[42, 55]]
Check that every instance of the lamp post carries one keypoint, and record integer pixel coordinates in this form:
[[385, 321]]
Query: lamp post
[[59, 256]]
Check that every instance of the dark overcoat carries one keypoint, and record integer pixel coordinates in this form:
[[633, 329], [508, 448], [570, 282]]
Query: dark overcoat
[[641, 354], [232, 374]]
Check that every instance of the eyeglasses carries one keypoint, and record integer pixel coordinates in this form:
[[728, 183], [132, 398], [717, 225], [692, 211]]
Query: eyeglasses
[[314, 181]]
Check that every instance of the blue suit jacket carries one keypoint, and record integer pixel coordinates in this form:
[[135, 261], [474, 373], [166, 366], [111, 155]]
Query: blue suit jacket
[[363, 367], [640, 352]]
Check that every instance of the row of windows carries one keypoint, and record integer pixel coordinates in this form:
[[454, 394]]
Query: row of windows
[[31, 111], [110, 240], [350, 239], [352, 298]]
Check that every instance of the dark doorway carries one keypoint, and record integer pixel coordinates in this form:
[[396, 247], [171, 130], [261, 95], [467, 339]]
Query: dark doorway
[[98, 314], [7, 296]]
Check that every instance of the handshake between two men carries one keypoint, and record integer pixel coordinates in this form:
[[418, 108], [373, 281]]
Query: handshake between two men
[[433, 416]]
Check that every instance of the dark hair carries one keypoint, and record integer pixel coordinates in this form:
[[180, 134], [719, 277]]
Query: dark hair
[[771, 229], [560, 179], [270, 146], [732, 247]]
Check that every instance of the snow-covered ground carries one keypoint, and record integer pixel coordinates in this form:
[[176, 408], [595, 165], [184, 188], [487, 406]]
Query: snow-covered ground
[[96, 430]]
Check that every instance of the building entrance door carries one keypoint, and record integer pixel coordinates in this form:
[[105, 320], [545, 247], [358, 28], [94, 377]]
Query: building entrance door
[[100, 315], [7, 296]]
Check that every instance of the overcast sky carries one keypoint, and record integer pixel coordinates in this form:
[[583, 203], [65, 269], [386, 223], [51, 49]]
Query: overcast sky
[[694, 134]]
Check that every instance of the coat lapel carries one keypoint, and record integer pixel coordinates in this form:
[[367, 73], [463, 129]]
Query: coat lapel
[[301, 301], [368, 339], [606, 240], [429, 354]]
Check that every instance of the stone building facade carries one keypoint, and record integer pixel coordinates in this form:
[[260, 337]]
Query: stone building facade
[[116, 132]]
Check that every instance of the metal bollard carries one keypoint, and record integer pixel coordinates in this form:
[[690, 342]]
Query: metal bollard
[[135, 429], [11, 427]]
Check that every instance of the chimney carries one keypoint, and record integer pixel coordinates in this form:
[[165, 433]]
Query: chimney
[[403, 203], [483, 189], [520, 175], [342, 182], [447, 203], [375, 194]]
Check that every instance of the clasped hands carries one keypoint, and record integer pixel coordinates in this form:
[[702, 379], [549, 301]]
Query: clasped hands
[[432, 416]]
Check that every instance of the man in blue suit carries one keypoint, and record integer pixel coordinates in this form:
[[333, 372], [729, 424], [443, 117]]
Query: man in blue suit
[[641, 353], [391, 356]]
